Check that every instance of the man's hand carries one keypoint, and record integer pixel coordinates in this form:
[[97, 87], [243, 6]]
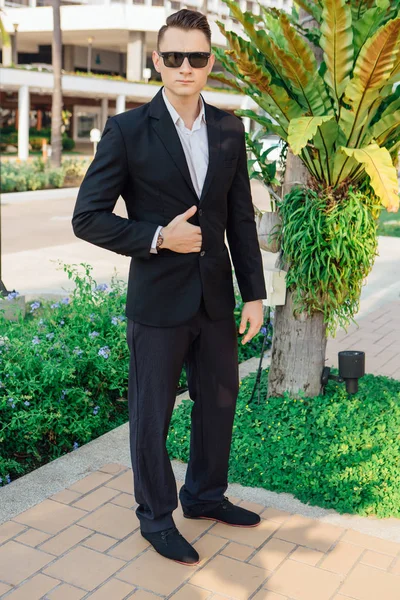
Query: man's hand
[[181, 236], [252, 312]]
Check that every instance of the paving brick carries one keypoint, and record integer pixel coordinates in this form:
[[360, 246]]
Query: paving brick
[[96, 498], [32, 537], [49, 516], [239, 551], [252, 536], [114, 589], [227, 576], [309, 532], [123, 483], [65, 592], [375, 559], [267, 595], [342, 558], [272, 554], [10, 529], [90, 482], [112, 520], [367, 583], [84, 568], [17, 562], [99, 542], [34, 589], [273, 514], [65, 540], [303, 582], [307, 556], [371, 543], [191, 592], [126, 500], [66, 496]]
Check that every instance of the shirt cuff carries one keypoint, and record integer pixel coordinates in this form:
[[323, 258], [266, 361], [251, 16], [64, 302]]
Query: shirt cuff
[[153, 248]]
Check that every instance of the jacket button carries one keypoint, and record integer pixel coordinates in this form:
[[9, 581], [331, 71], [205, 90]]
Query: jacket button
[[200, 212], [202, 253]]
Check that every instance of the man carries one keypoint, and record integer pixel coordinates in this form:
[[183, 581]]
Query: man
[[180, 165]]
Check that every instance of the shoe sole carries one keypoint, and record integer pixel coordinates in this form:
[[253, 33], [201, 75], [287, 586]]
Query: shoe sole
[[224, 522]]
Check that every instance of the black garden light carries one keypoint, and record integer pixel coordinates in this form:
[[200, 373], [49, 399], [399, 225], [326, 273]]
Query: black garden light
[[351, 369]]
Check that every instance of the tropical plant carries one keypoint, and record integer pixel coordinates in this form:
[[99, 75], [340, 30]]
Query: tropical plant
[[341, 118]]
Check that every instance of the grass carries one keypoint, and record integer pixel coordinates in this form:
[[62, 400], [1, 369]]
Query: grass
[[389, 224], [332, 451]]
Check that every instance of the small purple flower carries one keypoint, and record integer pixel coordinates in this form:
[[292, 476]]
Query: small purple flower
[[34, 306], [12, 295], [76, 445], [49, 336], [62, 322], [114, 320], [8, 478], [65, 301], [93, 334], [78, 351], [55, 305], [104, 352], [263, 330], [26, 403], [11, 399], [101, 287], [36, 340], [96, 410], [92, 316]]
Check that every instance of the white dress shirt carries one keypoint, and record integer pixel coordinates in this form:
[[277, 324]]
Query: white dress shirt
[[195, 146]]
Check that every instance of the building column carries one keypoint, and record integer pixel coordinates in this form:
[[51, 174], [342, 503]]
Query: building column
[[32, 3], [69, 57], [7, 56], [104, 113], [134, 55], [120, 104], [23, 122]]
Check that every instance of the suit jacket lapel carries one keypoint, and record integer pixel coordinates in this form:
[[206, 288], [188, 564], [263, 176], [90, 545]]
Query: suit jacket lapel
[[165, 129], [214, 145]]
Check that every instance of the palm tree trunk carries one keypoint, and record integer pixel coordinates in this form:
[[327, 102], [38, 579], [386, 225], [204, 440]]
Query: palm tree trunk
[[56, 108], [299, 343]]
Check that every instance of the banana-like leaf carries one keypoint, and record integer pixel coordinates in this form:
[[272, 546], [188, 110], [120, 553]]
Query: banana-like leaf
[[337, 44], [378, 165], [269, 126], [311, 8], [297, 45], [325, 142], [365, 27], [223, 79], [371, 72], [385, 127], [304, 129]]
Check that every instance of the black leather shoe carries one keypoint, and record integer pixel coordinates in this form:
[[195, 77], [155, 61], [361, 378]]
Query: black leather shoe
[[171, 544], [227, 513]]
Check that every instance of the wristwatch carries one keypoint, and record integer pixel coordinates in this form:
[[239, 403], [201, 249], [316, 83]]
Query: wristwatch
[[160, 239]]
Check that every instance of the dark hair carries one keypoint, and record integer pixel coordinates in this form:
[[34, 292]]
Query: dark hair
[[186, 19]]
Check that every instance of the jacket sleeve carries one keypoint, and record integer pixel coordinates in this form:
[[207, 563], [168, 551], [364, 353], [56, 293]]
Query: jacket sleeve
[[241, 232], [93, 219]]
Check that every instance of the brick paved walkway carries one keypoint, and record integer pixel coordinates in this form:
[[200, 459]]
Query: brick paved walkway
[[378, 335], [84, 542]]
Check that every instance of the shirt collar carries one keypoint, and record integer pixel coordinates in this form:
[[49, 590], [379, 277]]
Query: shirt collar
[[176, 117]]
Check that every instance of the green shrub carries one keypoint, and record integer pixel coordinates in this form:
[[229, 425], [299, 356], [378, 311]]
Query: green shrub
[[56, 177], [333, 451], [36, 143], [64, 373], [68, 143]]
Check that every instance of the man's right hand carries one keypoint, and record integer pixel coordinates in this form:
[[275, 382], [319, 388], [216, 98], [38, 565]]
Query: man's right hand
[[181, 236]]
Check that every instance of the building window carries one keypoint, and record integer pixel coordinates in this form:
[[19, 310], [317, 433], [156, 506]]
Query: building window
[[157, 2], [175, 5], [85, 122]]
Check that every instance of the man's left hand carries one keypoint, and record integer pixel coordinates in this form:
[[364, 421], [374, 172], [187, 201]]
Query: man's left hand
[[253, 313]]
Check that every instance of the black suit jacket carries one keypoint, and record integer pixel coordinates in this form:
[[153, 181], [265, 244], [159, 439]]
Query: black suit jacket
[[140, 157]]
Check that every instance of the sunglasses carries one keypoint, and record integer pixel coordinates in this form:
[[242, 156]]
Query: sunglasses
[[197, 60]]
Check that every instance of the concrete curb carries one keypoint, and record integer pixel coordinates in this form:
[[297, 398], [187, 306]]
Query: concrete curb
[[113, 447], [54, 194]]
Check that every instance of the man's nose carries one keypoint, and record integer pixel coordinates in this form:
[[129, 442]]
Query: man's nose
[[185, 66]]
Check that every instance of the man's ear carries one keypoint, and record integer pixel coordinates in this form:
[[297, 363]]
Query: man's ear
[[156, 61]]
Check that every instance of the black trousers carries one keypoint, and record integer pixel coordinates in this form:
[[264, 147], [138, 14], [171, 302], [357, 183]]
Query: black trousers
[[157, 354]]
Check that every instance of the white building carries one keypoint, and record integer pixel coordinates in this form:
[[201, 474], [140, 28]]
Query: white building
[[108, 38]]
